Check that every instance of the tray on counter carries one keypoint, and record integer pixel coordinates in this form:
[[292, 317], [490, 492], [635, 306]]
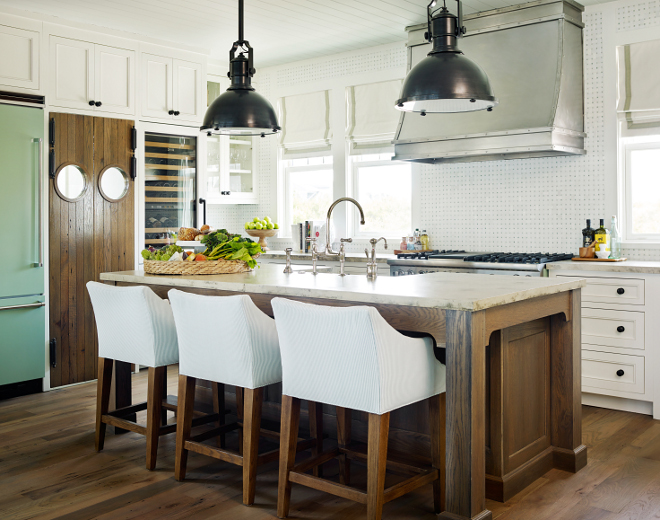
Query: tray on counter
[[578, 259]]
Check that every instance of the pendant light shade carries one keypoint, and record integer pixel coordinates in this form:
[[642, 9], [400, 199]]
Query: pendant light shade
[[241, 110], [446, 80]]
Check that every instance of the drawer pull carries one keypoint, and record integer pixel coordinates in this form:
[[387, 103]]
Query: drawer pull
[[620, 328], [620, 290], [620, 372]]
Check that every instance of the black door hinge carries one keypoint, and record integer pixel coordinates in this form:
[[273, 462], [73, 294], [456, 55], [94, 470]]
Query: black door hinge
[[51, 131], [133, 167], [134, 139], [53, 352], [51, 164]]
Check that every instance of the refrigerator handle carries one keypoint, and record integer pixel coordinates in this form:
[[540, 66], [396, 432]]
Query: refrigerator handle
[[203, 202], [24, 306], [40, 188]]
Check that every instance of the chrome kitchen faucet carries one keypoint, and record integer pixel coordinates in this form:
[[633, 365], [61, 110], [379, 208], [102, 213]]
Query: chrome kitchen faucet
[[328, 245]]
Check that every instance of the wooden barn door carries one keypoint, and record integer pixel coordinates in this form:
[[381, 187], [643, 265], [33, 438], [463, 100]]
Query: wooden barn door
[[90, 233]]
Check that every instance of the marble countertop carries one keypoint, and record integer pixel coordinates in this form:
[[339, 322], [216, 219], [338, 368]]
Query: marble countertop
[[628, 266], [350, 257], [457, 291]]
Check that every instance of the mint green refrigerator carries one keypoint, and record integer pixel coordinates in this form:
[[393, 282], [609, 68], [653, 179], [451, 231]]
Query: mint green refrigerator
[[22, 303]]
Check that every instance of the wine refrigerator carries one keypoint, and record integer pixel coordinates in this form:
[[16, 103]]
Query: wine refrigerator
[[170, 186]]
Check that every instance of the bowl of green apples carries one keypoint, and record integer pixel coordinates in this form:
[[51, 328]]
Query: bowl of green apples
[[262, 229]]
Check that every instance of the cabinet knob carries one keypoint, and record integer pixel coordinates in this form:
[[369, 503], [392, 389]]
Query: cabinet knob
[[620, 328], [91, 103], [170, 112], [620, 290], [620, 372], [229, 193], [176, 112], [98, 103]]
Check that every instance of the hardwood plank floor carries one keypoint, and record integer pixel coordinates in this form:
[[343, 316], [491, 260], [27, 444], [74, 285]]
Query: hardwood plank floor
[[49, 470]]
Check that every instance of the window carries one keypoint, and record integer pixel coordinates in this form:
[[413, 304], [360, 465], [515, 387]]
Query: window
[[641, 186], [384, 189], [308, 188]]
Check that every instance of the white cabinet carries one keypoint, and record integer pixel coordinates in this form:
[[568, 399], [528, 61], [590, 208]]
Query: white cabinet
[[172, 89], [89, 76], [19, 55], [620, 346], [114, 79], [156, 86], [230, 176], [188, 90]]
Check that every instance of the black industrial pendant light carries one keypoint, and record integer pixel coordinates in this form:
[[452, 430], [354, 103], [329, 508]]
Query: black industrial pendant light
[[445, 81], [241, 110]]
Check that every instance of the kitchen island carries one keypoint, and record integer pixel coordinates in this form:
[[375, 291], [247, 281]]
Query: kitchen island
[[512, 350]]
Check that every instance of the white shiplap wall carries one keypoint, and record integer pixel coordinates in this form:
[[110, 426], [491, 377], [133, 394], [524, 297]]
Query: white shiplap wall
[[524, 205]]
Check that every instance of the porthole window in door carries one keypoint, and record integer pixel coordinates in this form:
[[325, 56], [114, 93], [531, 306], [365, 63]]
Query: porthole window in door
[[113, 184], [71, 182]]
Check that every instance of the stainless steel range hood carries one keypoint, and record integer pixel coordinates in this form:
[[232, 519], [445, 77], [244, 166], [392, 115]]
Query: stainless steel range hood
[[532, 54]]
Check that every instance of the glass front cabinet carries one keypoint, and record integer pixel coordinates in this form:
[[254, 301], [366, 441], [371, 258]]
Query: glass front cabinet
[[230, 175], [229, 172]]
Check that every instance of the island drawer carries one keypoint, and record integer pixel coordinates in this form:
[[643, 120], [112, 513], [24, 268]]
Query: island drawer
[[628, 291], [613, 372], [609, 328]]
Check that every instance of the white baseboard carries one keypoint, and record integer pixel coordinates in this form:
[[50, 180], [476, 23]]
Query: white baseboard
[[618, 403]]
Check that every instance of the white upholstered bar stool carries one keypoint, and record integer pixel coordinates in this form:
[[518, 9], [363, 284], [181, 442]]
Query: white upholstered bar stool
[[236, 346], [352, 358], [135, 326]]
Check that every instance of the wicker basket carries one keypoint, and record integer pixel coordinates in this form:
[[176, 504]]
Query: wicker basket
[[193, 268]]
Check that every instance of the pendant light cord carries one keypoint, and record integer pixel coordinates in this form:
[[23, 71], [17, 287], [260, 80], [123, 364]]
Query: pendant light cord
[[240, 21]]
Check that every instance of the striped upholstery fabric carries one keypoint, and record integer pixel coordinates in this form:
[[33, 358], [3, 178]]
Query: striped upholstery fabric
[[351, 357], [226, 339], [134, 325]]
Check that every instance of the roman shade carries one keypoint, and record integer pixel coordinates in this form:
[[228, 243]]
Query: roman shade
[[305, 121], [371, 119], [638, 104]]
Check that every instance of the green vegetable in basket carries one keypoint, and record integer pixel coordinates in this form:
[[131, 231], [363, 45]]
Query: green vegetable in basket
[[223, 244]]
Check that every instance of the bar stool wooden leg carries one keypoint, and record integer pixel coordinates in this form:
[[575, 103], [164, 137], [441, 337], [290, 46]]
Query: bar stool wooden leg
[[163, 411], [102, 399], [251, 427], [344, 439], [239, 414], [154, 407], [315, 411], [186, 401], [437, 405], [379, 426], [288, 442], [219, 408]]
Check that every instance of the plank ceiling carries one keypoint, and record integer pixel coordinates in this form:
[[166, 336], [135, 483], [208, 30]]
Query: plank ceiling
[[281, 31]]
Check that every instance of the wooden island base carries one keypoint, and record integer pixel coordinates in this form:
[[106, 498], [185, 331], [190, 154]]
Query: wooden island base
[[513, 388]]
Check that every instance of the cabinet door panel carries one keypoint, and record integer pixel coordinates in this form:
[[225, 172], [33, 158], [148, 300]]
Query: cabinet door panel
[[19, 57], [157, 88], [115, 79], [604, 372], [71, 72], [188, 91]]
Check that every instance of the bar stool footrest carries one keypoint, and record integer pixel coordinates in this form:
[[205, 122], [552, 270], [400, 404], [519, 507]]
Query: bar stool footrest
[[216, 453], [328, 486]]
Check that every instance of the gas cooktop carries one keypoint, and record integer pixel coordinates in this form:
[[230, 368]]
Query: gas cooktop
[[509, 258]]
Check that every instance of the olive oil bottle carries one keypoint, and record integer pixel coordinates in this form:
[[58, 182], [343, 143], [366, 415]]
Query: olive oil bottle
[[602, 236], [587, 234]]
